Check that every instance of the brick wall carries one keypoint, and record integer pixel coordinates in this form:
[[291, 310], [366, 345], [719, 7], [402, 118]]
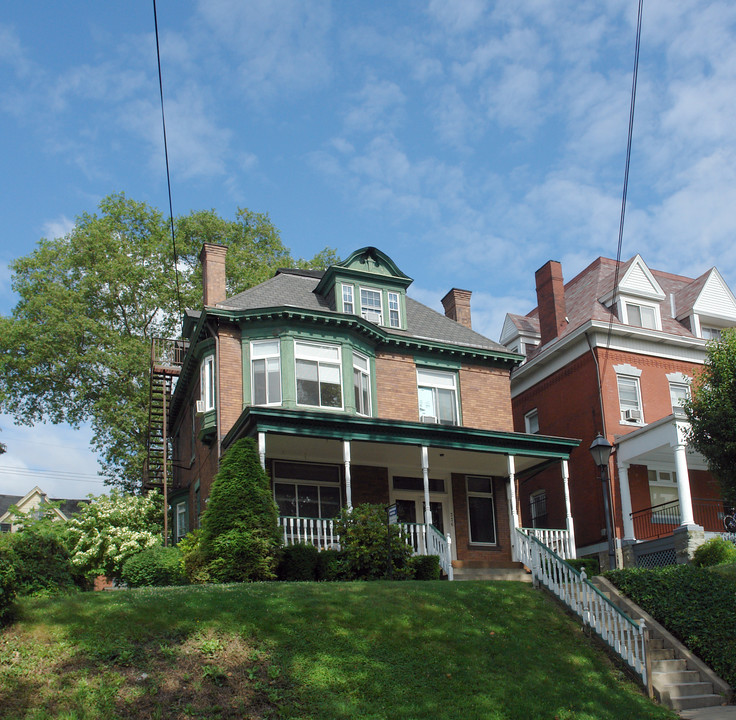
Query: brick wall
[[396, 387], [486, 398], [230, 378]]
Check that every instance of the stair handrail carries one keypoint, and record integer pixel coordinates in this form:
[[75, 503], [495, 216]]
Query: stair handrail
[[627, 638]]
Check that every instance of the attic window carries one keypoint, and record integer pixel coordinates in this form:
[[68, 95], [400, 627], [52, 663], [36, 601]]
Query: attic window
[[643, 316], [711, 333], [370, 305]]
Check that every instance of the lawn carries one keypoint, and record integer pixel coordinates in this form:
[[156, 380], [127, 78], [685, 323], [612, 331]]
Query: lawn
[[316, 651]]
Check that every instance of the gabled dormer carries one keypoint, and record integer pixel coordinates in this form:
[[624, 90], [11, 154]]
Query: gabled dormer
[[637, 297], [370, 285], [707, 306], [520, 334]]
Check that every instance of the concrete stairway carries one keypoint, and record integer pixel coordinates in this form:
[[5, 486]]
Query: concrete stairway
[[680, 680], [470, 570]]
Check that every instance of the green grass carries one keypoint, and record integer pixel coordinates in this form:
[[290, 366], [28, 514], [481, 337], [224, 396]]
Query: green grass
[[332, 651]]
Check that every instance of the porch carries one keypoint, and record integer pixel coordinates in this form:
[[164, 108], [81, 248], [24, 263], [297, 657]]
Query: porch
[[454, 487]]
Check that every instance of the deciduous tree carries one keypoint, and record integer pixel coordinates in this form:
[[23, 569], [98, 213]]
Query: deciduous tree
[[712, 412], [76, 347]]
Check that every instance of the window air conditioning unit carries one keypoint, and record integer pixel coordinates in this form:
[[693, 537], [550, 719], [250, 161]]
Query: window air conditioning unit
[[634, 415], [429, 419], [373, 317], [200, 407]]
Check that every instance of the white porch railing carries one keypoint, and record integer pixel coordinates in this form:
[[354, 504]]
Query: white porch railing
[[627, 638], [559, 541], [423, 539]]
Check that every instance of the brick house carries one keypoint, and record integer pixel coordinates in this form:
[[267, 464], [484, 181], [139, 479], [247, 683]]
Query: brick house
[[613, 352], [354, 393]]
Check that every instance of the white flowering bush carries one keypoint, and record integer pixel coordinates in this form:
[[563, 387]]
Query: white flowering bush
[[113, 528]]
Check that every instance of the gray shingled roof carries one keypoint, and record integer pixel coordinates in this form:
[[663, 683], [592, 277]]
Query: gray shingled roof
[[295, 288]]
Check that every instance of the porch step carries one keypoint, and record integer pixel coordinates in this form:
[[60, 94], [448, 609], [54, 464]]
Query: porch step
[[470, 570], [680, 680]]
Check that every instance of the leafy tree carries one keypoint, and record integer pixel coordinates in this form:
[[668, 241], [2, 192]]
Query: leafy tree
[[76, 347], [240, 526], [111, 528], [712, 412]]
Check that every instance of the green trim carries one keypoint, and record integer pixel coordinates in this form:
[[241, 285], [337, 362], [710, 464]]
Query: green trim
[[432, 363], [339, 426]]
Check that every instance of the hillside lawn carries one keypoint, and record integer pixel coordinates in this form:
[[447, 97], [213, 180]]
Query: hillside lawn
[[316, 651]]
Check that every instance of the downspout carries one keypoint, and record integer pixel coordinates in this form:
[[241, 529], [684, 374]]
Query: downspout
[[607, 504], [213, 330]]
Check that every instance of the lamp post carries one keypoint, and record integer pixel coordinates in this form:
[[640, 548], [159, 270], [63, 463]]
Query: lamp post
[[600, 449]]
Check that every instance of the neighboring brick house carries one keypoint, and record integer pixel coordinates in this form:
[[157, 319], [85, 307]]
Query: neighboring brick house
[[613, 351], [354, 393]]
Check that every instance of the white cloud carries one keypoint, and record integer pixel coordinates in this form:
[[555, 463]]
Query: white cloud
[[58, 228], [376, 108]]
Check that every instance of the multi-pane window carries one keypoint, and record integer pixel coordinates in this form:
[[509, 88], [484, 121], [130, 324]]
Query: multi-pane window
[[266, 377], [679, 393], [307, 490], [370, 305], [348, 303], [181, 520], [531, 421], [711, 333], [629, 399], [437, 397], [644, 316], [318, 375], [481, 510], [361, 384], [394, 316], [207, 383]]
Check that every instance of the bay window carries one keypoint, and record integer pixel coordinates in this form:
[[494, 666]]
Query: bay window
[[207, 383], [318, 375], [266, 372], [361, 384]]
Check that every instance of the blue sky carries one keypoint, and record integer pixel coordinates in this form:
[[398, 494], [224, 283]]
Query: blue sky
[[471, 141]]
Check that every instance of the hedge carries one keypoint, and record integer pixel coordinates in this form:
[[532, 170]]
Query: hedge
[[694, 604]]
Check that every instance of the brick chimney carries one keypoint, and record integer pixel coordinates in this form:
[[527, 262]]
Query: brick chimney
[[457, 306], [214, 288], [550, 300]]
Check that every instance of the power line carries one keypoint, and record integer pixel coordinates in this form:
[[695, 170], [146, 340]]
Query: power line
[[166, 154], [52, 474]]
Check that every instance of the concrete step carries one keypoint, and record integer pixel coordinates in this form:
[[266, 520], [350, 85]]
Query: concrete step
[[666, 653], [695, 701], [465, 573], [662, 679], [668, 666], [688, 689]]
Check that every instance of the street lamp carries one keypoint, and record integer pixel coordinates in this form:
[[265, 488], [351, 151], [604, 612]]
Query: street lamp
[[600, 449]]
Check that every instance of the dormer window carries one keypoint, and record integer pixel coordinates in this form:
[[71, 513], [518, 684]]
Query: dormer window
[[348, 304], [394, 316], [643, 316], [371, 307], [711, 333]]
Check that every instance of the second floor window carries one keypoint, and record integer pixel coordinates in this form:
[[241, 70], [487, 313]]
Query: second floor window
[[679, 393], [629, 399], [437, 397], [207, 383], [318, 375], [531, 421], [266, 378], [361, 384]]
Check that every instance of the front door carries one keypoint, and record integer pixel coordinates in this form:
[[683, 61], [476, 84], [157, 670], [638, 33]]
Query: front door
[[411, 510]]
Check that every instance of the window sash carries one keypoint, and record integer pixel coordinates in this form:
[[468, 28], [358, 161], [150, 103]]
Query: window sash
[[348, 303], [370, 302], [678, 394], [181, 520], [207, 383], [643, 316], [437, 396], [628, 394], [307, 500], [318, 375], [531, 420], [394, 317]]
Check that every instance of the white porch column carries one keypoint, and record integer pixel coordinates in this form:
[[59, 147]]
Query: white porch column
[[425, 478], [683, 485], [262, 449], [348, 484], [625, 493], [569, 524], [511, 465]]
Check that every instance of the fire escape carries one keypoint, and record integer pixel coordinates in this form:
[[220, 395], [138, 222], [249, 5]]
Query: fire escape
[[167, 357]]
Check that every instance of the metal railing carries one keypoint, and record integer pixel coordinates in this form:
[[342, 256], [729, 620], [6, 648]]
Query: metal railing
[[661, 520], [166, 352], [624, 636], [320, 532]]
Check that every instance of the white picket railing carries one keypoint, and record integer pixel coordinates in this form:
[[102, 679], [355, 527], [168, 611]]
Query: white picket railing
[[423, 539], [558, 541], [626, 637]]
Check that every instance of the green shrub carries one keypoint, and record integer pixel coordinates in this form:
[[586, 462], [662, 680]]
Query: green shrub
[[192, 559], [156, 566], [331, 566], [8, 588], [425, 567], [716, 551], [240, 532], [364, 543], [298, 562], [591, 566], [694, 604]]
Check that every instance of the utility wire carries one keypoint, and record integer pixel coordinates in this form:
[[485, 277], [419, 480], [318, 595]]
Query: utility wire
[[166, 154], [628, 162]]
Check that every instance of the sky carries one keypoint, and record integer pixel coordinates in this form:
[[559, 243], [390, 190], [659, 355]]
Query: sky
[[471, 141]]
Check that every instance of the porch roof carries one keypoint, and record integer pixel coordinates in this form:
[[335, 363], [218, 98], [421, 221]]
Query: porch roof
[[533, 449]]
